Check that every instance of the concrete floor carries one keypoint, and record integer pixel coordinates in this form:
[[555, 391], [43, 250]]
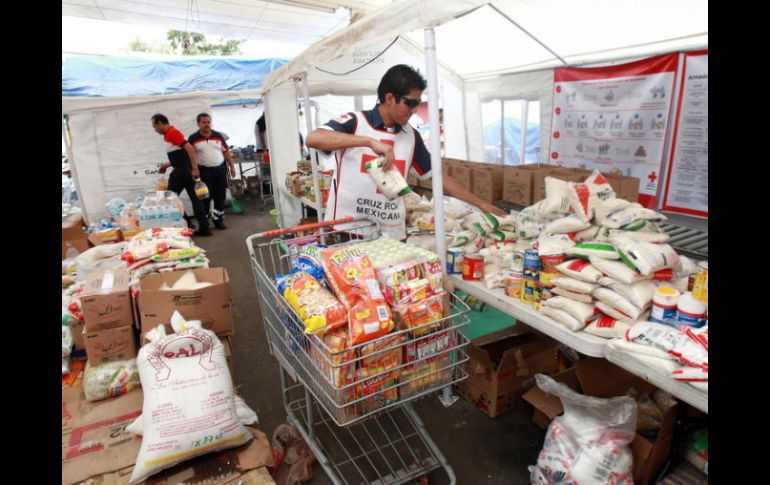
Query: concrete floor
[[480, 449]]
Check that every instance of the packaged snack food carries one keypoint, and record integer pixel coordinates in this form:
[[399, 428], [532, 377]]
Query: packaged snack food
[[429, 355], [369, 320], [408, 292], [374, 383], [317, 307], [351, 275], [420, 314], [309, 260]]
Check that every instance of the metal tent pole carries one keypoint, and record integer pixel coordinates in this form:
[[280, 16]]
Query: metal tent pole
[[446, 398], [313, 156]]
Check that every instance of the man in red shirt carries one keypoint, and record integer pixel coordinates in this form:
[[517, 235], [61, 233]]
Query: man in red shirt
[[181, 156]]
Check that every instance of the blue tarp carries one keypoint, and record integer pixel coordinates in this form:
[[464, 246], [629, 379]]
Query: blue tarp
[[512, 141], [130, 76]]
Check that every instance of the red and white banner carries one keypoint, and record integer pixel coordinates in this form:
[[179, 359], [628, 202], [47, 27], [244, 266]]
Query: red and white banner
[[687, 182], [614, 119]]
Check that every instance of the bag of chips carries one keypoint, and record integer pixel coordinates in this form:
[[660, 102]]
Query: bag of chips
[[419, 314], [316, 306]]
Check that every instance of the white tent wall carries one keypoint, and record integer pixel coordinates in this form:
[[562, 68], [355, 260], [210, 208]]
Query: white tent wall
[[283, 141], [237, 122], [532, 86], [116, 153]]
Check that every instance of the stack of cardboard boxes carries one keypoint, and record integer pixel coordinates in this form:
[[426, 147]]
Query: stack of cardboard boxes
[[73, 235], [524, 185], [520, 184], [108, 334]]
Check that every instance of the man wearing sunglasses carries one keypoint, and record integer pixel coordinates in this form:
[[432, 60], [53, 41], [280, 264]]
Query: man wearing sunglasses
[[383, 131]]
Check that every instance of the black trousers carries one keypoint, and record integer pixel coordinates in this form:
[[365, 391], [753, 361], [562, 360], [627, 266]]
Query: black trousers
[[216, 179], [182, 179]]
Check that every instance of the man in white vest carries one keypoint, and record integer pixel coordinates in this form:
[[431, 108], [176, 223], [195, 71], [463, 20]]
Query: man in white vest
[[383, 131]]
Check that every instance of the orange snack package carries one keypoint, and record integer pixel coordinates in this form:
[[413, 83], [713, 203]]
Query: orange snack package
[[353, 279]]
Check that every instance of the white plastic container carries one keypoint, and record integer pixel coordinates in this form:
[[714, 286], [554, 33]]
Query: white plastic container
[[690, 311], [664, 309]]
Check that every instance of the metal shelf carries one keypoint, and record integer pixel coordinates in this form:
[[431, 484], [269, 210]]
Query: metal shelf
[[681, 390], [584, 343], [303, 200]]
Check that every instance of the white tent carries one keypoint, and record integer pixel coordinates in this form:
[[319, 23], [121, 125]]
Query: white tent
[[114, 151], [501, 49]]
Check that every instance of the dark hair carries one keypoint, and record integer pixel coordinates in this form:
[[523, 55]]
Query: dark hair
[[159, 118], [399, 80], [201, 115]]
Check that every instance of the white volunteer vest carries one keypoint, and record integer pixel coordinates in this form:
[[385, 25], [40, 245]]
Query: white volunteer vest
[[356, 193]]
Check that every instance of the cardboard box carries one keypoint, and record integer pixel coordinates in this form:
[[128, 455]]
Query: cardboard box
[[110, 345], [210, 305], [229, 356], [488, 183], [519, 183], [106, 301], [600, 378], [295, 183], [78, 342], [626, 188], [72, 234], [94, 436], [559, 173], [411, 179], [252, 183], [502, 367], [425, 184], [463, 175], [111, 458]]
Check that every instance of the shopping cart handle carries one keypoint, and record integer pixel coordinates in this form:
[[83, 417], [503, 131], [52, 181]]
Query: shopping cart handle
[[306, 227]]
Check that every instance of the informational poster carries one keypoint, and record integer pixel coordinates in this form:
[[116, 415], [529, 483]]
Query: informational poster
[[614, 119], [687, 183]]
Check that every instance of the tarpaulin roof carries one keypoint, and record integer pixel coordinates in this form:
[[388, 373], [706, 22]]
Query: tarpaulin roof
[[129, 76]]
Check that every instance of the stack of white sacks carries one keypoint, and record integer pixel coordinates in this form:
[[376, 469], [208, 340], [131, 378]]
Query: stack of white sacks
[[615, 256]]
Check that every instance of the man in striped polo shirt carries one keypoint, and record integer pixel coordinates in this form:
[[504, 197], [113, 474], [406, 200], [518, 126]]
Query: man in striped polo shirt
[[212, 152], [181, 156]]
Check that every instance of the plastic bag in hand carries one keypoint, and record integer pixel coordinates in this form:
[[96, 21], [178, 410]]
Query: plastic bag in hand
[[589, 442]]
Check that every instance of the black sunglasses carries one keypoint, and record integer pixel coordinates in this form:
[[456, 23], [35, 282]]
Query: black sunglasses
[[411, 103]]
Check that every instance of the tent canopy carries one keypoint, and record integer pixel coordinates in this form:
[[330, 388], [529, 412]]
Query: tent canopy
[[129, 76], [477, 39]]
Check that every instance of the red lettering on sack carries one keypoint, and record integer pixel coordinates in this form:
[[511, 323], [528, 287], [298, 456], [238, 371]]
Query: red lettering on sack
[[577, 265], [606, 322]]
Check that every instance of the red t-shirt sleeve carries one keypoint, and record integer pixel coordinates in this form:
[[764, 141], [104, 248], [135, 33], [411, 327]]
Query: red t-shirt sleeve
[[175, 136]]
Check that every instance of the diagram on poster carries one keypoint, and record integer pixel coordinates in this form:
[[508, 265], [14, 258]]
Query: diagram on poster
[[614, 119], [687, 186]]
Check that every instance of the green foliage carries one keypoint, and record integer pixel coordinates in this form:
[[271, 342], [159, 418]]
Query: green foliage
[[188, 44]]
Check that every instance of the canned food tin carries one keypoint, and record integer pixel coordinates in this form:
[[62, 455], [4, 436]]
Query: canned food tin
[[548, 269], [454, 261], [513, 286], [473, 267], [531, 264], [700, 287], [530, 290]]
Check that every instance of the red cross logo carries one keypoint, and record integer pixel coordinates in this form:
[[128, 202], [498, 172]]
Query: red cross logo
[[652, 177]]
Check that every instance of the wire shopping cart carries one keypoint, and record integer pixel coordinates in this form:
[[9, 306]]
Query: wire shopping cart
[[353, 405]]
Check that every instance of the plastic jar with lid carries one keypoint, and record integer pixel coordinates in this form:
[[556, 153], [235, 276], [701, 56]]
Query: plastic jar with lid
[[690, 311], [664, 302]]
